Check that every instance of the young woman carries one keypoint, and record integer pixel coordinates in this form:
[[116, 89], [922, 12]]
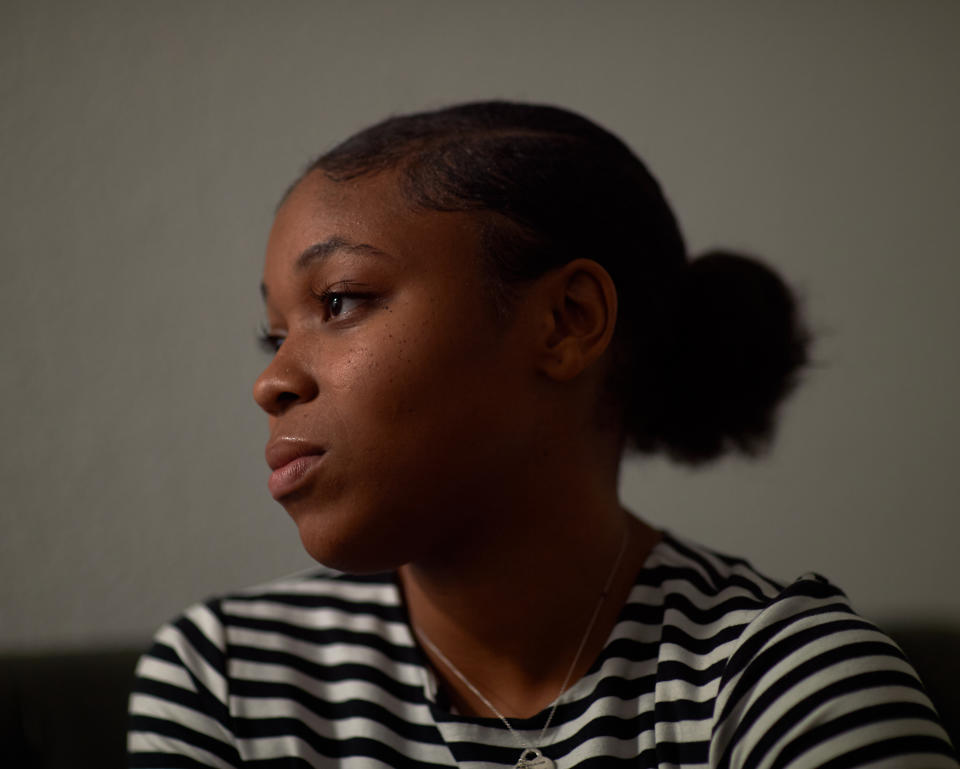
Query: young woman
[[472, 314]]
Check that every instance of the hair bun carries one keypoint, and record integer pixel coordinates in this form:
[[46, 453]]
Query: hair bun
[[733, 349]]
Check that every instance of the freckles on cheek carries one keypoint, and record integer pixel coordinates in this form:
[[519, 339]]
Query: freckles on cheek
[[375, 383]]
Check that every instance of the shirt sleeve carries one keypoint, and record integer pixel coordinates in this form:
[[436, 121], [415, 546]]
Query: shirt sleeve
[[179, 714], [812, 685]]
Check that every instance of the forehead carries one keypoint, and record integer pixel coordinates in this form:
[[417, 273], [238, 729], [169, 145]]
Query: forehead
[[370, 210]]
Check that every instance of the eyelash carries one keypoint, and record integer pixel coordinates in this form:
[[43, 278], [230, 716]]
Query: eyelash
[[271, 342], [342, 290], [267, 340]]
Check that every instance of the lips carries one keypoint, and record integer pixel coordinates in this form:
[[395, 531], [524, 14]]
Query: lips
[[291, 460]]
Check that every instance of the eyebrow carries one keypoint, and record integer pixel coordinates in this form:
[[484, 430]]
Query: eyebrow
[[326, 248]]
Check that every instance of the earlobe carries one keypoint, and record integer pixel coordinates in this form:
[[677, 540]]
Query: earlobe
[[583, 309]]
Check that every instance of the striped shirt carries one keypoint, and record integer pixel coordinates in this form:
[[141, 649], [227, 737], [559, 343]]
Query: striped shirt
[[710, 664]]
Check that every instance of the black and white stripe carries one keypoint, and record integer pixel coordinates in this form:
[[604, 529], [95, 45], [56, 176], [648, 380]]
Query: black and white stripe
[[709, 665]]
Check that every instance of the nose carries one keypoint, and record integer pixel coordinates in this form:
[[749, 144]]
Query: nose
[[284, 383]]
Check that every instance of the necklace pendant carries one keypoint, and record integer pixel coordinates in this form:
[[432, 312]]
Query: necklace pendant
[[532, 758]]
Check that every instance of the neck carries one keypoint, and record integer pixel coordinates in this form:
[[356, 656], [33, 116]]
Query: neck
[[508, 603]]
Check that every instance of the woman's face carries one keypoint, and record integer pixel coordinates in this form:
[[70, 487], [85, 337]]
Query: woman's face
[[400, 407]]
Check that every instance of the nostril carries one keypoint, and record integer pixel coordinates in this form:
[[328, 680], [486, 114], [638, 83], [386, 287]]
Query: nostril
[[281, 402], [283, 385]]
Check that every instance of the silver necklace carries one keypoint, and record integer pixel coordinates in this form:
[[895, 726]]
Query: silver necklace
[[531, 757]]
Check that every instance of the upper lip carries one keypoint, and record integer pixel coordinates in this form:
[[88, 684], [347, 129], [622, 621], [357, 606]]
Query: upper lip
[[284, 449]]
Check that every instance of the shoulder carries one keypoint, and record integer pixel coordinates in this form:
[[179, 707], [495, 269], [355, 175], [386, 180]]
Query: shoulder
[[702, 594], [693, 567], [725, 590], [319, 606], [318, 602], [810, 681], [799, 678], [184, 691]]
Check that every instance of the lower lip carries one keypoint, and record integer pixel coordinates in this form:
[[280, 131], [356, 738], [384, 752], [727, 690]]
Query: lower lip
[[284, 480]]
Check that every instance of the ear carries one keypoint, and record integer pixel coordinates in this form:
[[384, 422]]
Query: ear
[[579, 318]]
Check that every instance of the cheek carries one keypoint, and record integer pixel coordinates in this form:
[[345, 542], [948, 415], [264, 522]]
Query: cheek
[[415, 391]]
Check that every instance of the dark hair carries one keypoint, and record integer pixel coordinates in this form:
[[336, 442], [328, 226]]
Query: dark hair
[[704, 350]]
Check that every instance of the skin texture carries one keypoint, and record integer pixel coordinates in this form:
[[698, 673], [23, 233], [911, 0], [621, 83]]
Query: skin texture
[[461, 451]]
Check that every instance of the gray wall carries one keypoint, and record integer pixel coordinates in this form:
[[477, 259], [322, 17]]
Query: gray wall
[[144, 145]]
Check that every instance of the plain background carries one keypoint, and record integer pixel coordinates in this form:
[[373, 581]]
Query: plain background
[[144, 145]]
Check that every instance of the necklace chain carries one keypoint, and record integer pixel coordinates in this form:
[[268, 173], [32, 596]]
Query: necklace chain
[[563, 687]]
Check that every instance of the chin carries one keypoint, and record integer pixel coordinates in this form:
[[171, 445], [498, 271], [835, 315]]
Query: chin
[[349, 551]]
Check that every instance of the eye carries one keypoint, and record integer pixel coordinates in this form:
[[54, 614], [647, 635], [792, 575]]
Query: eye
[[341, 299], [339, 302], [269, 341]]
